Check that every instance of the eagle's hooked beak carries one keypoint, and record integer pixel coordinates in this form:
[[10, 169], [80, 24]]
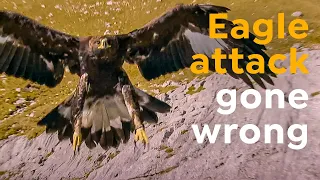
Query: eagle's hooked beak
[[104, 44]]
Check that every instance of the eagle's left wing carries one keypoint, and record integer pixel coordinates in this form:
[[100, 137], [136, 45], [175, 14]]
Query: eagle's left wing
[[32, 51], [168, 43]]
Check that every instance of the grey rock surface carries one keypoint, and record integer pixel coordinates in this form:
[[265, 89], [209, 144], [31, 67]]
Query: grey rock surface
[[297, 14], [174, 152]]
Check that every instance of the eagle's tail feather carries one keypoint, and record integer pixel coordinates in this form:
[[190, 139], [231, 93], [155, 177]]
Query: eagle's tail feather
[[111, 137], [151, 103], [149, 116], [59, 120], [105, 121]]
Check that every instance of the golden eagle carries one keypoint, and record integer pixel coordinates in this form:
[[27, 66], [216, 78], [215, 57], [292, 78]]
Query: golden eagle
[[105, 104]]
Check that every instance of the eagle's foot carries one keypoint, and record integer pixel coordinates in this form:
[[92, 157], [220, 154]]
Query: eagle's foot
[[141, 135], [77, 139]]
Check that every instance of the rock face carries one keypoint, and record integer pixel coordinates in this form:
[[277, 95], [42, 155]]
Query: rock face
[[174, 152], [297, 14]]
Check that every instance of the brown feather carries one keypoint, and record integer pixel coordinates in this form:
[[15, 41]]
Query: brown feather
[[19, 33], [167, 43]]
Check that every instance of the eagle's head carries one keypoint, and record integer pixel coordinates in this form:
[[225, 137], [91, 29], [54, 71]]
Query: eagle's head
[[104, 49]]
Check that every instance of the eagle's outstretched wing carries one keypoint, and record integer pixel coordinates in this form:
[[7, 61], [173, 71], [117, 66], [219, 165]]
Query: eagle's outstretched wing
[[168, 43], [32, 51]]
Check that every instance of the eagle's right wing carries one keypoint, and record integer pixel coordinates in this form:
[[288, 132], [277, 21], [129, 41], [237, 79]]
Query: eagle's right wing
[[32, 51], [167, 44]]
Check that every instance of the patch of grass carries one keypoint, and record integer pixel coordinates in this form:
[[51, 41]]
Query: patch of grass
[[183, 131], [163, 147], [113, 155], [89, 158], [10, 174], [45, 100], [124, 16], [315, 93], [192, 90], [87, 174], [170, 155], [98, 165], [167, 89], [3, 172], [169, 150], [161, 129], [167, 170], [76, 178], [49, 154]]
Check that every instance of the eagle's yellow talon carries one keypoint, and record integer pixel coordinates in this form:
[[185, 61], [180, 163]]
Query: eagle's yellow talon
[[77, 139], [141, 135]]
